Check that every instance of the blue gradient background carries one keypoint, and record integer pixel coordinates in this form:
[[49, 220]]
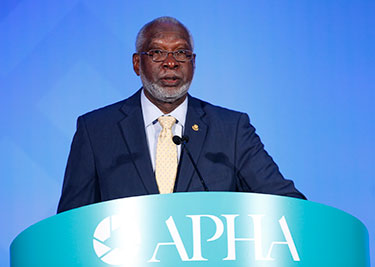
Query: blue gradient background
[[303, 70]]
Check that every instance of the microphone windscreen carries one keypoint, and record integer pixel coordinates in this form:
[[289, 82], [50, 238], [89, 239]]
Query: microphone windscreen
[[177, 140]]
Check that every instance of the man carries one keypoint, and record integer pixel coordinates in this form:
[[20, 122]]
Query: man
[[126, 149]]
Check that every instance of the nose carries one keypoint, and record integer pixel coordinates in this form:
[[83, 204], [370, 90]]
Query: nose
[[170, 62]]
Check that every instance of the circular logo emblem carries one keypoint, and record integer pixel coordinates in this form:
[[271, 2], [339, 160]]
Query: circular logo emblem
[[117, 240]]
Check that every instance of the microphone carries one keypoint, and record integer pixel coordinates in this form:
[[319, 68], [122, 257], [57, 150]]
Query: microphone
[[180, 140], [183, 141]]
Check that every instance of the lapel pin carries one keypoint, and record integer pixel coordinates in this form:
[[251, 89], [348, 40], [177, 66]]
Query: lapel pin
[[195, 127]]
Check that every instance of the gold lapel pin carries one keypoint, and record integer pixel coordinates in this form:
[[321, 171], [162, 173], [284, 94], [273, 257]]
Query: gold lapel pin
[[195, 127]]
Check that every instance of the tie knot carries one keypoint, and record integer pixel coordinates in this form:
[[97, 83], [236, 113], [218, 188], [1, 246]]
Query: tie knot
[[166, 121]]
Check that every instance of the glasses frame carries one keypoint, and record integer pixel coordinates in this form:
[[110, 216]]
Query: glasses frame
[[150, 54]]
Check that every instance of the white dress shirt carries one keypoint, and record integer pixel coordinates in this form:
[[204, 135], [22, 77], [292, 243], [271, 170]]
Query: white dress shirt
[[151, 113]]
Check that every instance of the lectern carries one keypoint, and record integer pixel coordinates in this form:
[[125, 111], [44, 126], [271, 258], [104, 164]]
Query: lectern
[[196, 229]]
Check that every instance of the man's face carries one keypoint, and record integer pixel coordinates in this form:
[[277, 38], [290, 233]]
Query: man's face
[[168, 80]]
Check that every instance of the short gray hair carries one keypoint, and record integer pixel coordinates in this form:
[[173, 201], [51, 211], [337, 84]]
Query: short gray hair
[[141, 38]]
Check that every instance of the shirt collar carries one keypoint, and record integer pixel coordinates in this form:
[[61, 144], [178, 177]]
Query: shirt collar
[[152, 112]]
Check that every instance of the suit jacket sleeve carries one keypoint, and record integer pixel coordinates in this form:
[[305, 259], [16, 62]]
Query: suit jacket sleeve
[[80, 181], [256, 170]]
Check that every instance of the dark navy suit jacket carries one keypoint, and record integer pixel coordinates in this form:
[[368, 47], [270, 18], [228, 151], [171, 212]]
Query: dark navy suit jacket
[[109, 156]]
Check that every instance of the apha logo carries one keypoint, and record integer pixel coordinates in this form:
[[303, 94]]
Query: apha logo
[[117, 240], [232, 239]]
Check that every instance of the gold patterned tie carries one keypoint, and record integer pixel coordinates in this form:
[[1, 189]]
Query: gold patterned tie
[[166, 156]]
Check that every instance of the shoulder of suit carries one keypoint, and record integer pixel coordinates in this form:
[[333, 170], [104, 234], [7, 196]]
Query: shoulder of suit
[[112, 112], [104, 112], [214, 110]]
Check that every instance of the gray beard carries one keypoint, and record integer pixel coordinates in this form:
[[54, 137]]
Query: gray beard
[[162, 93]]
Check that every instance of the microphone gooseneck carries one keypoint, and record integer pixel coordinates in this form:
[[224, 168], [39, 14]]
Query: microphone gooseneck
[[183, 141]]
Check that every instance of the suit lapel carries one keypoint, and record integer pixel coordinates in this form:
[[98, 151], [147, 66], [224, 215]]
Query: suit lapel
[[196, 130], [132, 127]]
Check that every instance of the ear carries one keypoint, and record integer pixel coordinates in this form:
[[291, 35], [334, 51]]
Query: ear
[[136, 60], [193, 61]]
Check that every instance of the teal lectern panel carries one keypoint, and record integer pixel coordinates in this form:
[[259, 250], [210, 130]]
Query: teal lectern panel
[[196, 229]]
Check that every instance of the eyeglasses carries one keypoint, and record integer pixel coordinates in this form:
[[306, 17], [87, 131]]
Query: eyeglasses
[[158, 55]]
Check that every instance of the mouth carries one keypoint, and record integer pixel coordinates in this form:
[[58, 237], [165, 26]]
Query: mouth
[[170, 80]]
